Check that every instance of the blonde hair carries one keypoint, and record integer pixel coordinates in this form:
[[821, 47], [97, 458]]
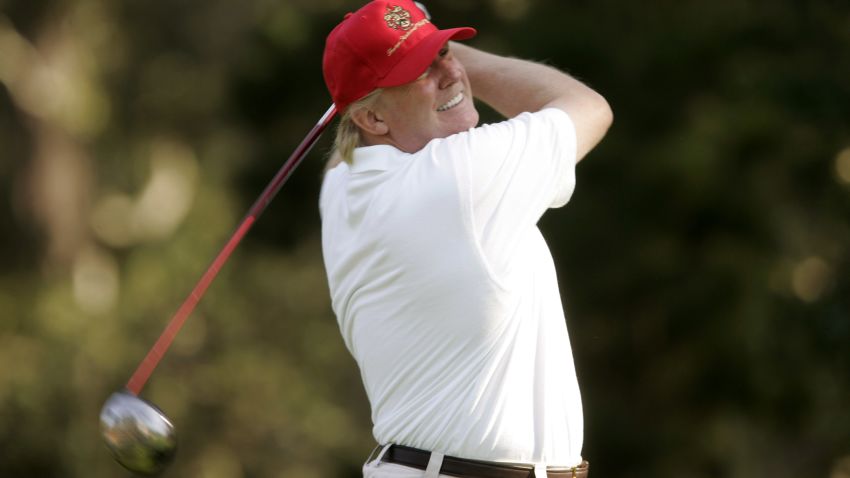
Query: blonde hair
[[347, 133]]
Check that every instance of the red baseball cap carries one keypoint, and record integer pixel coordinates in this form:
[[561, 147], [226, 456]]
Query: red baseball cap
[[386, 43]]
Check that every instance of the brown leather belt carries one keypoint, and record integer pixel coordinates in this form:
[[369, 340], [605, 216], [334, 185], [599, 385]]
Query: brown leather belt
[[463, 467]]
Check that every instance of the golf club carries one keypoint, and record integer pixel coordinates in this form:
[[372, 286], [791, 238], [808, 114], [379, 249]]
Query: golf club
[[139, 435]]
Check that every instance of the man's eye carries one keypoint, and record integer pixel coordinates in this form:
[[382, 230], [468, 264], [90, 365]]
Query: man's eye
[[444, 51]]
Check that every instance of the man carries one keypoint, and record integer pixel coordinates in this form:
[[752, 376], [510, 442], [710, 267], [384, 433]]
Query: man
[[444, 289]]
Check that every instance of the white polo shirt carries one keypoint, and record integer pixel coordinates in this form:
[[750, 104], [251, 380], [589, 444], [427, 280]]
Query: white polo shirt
[[446, 293]]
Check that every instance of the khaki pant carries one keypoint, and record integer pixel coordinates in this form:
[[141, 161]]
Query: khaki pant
[[393, 470], [376, 469]]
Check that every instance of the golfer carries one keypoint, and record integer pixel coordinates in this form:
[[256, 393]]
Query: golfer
[[444, 289]]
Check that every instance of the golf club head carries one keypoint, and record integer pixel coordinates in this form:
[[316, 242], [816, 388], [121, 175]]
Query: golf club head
[[140, 437]]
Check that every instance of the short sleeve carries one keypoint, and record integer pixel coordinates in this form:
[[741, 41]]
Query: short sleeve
[[513, 171], [526, 163]]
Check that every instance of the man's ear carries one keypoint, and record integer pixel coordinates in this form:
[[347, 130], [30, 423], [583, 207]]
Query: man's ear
[[370, 122]]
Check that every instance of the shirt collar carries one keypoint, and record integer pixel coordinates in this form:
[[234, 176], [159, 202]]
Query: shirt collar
[[380, 157]]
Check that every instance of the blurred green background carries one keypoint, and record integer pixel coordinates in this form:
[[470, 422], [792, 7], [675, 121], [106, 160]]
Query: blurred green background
[[704, 258]]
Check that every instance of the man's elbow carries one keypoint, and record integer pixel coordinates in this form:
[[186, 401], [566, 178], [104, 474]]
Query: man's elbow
[[604, 114], [596, 117]]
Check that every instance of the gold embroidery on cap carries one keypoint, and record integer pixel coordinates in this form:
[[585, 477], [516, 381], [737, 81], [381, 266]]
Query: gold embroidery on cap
[[404, 37], [397, 18]]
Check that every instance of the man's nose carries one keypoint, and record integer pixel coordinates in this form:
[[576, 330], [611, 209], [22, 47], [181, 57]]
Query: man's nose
[[449, 73]]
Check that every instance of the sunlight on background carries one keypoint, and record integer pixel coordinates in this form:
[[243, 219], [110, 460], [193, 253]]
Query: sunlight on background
[[811, 278], [167, 197], [95, 280], [54, 84], [841, 469], [110, 220], [842, 165], [163, 203]]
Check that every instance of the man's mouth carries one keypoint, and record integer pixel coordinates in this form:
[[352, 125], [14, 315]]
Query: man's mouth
[[451, 103]]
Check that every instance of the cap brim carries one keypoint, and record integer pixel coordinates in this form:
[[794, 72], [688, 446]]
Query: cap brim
[[417, 60]]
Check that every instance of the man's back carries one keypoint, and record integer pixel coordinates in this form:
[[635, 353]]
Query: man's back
[[446, 294]]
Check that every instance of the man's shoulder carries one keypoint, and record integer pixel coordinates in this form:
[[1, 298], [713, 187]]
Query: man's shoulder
[[496, 136]]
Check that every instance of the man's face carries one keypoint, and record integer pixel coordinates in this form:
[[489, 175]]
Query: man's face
[[435, 105]]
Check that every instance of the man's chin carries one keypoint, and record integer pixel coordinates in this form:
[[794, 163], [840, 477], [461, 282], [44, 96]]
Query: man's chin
[[470, 120], [474, 119]]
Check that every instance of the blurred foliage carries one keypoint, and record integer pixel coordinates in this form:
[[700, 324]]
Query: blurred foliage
[[704, 259]]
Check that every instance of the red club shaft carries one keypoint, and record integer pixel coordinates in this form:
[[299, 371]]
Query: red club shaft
[[151, 360]]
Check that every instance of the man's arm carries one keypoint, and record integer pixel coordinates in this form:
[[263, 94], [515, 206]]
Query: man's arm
[[512, 86]]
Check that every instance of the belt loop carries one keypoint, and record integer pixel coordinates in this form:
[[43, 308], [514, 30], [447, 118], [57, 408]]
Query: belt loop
[[377, 460], [540, 470], [435, 462], [374, 450]]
